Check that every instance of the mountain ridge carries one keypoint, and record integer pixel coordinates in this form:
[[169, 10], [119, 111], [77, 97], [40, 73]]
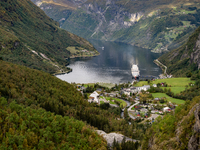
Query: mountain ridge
[[28, 37], [156, 25]]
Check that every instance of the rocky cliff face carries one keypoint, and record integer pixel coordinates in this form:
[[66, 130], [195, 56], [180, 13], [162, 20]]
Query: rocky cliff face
[[195, 55], [194, 140]]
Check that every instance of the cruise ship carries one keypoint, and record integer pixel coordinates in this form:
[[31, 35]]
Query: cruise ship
[[135, 72]]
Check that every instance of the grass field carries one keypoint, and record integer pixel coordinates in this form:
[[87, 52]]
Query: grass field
[[173, 100], [175, 90], [122, 103], [173, 82], [109, 85], [72, 49]]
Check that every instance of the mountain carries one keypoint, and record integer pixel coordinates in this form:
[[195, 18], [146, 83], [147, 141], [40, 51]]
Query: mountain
[[159, 25], [29, 37], [185, 60]]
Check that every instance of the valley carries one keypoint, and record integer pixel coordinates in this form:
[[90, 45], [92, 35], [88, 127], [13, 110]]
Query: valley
[[100, 106], [156, 25]]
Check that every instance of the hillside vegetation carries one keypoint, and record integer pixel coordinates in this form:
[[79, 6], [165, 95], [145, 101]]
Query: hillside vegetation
[[36, 89], [28, 37], [155, 24], [27, 128], [178, 130], [184, 61]]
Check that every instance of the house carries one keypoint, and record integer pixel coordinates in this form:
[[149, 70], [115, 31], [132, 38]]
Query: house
[[128, 91], [99, 90], [111, 94], [94, 97], [144, 88], [156, 99], [144, 110], [133, 90], [166, 109], [154, 85], [125, 92], [79, 86], [162, 84]]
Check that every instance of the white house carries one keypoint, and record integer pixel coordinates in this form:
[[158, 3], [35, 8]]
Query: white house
[[126, 92], [145, 88], [154, 85], [166, 109], [94, 97], [133, 90]]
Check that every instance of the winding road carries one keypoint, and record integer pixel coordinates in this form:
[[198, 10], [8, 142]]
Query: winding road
[[159, 63], [129, 109]]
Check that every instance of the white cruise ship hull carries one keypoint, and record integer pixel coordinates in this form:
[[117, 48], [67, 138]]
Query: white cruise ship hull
[[135, 72]]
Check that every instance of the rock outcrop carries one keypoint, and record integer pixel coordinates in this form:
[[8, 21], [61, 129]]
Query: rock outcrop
[[109, 137], [194, 141], [195, 55]]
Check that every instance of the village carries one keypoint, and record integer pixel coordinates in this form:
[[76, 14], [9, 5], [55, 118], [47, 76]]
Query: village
[[136, 100]]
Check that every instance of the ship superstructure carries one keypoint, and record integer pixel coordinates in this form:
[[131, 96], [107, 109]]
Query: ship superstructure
[[135, 72]]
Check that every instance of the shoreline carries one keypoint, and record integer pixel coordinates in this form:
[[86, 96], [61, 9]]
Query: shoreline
[[72, 57], [66, 72]]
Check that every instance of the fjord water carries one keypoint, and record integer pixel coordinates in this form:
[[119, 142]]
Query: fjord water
[[113, 65]]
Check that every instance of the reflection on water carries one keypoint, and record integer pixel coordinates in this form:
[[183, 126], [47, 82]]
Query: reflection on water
[[113, 65]]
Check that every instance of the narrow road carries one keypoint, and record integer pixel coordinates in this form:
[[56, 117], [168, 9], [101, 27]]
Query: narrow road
[[129, 109], [159, 63]]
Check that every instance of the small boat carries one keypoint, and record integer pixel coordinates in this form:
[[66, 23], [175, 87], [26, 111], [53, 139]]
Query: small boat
[[102, 48]]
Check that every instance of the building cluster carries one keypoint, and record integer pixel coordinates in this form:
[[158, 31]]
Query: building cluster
[[134, 90]]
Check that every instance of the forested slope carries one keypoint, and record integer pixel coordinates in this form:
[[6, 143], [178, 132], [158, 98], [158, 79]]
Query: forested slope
[[185, 60], [27, 128], [29, 37], [178, 130], [36, 89]]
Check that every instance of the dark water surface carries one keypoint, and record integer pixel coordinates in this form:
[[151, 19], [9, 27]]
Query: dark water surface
[[113, 65]]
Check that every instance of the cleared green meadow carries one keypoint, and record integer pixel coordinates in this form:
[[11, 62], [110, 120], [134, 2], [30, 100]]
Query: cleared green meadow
[[173, 82], [122, 103], [175, 90], [173, 100]]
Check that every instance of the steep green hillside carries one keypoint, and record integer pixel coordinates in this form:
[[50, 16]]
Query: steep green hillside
[[178, 130], [36, 89], [155, 24], [26, 128], [30, 38], [184, 61]]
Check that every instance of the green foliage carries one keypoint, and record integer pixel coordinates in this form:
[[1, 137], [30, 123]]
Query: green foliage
[[171, 99], [172, 82], [36, 89], [129, 145], [24, 27], [175, 125], [26, 128], [178, 65], [161, 27]]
